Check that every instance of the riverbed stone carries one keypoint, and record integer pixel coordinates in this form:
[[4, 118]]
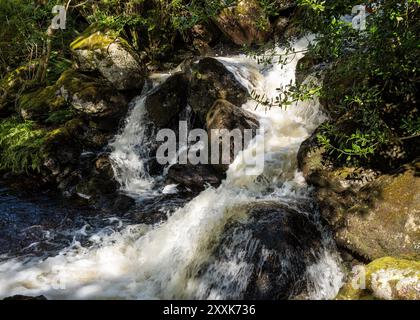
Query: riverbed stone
[[274, 243], [194, 177], [224, 115], [210, 81], [165, 102]]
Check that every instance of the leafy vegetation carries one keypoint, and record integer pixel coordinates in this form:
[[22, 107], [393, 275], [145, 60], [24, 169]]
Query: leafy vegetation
[[152, 26], [24, 37], [374, 76], [372, 81], [21, 144]]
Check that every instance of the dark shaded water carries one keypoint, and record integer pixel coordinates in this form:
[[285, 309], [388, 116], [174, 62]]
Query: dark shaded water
[[42, 224]]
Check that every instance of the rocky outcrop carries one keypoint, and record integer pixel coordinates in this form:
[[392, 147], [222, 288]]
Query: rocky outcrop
[[168, 100], [223, 115], [193, 177], [275, 242], [386, 278], [390, 205], [93, 97], [111, 56], [210, 80], [245, 23], [364, 207]]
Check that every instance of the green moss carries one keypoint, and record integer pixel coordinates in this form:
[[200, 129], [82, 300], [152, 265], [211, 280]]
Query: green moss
[[90, 40], [85, 87], [37, 105], [410, 268], [20, 145], [393, 263], [59, 117]]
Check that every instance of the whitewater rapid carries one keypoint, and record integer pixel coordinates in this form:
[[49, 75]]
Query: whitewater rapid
[[164, 261]]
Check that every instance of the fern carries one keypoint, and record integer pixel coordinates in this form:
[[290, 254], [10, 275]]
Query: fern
[[20, 146]]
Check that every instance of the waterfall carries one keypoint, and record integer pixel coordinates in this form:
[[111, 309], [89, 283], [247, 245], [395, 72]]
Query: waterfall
[[164, 261]]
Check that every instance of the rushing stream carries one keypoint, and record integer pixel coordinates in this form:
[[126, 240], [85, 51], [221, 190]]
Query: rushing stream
[[164, 261]]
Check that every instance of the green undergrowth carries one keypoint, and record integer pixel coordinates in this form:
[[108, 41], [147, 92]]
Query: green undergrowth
[[21, 145]]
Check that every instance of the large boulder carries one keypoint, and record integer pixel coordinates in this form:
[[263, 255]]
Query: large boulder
[[244, 23], [111, 56], [372, 214], [271, 246], [92, 97], [167, 100], [210, 80], [386, 278], [224, 115], [387, 222]]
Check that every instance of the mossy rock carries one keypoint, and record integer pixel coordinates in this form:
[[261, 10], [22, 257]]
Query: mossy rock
[[386, 278], [386, 219], [371, 213], [93, 39], [37, 105], [91, 96], [210, 81], [245, 23], [111, 56]]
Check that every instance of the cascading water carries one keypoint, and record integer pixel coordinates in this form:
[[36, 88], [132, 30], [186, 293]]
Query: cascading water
[[165, 261]]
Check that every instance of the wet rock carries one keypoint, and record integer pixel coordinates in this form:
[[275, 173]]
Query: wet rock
[[87, 134], [96, 186], [123, 203], [103, 167], [26, 298], [225, 115], [210, 80], [386, 278], [59, 151], [245, 23], [168, 100], [194, 177], [274, 244], [157, 210], [111, 56], [100, 180]]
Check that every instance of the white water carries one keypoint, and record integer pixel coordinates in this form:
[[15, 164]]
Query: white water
[[163, 261]]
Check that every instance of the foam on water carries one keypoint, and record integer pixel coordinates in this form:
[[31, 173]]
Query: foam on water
[[163, 261]]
